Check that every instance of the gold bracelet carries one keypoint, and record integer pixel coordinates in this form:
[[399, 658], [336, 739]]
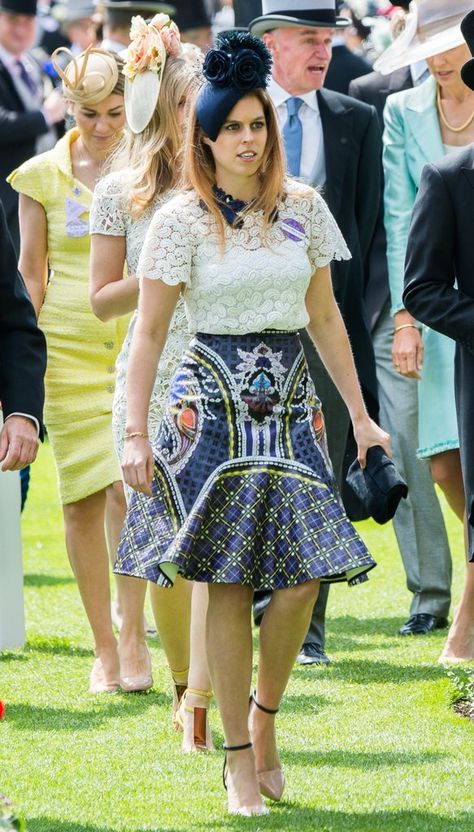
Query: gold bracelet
[[136, 433], [406, 326]]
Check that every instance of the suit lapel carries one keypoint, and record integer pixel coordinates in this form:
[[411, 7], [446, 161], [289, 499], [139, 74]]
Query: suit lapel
[[396, 81], [468, 170], [336, 120], [8, 80]]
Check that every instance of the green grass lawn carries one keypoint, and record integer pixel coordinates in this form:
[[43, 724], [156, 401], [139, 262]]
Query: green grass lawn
[[368, 744]]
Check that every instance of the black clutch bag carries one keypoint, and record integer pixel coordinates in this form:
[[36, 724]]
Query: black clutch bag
[[379, 487]]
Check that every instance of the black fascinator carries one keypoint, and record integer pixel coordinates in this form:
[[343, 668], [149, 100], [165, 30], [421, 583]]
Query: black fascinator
[[238, 64]]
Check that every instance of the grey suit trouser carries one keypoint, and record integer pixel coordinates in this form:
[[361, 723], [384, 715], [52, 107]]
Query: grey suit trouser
[[336, 417], [418, 524]]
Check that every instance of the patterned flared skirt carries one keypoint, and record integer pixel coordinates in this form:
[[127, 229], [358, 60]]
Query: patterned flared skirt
[[243, 490]]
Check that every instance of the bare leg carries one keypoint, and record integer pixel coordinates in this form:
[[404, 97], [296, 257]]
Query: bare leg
[[446, 472], [133, 652], [460, 642], [229, 651], [115, 510], [87, 551], [172, 613], [195, 723], [282, 631]]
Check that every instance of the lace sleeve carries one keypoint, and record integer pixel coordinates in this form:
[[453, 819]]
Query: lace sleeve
[[108, 211], [166, 254], [327, 242]]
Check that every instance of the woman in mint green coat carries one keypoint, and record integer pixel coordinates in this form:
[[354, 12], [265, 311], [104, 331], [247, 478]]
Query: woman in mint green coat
[[421, 125]]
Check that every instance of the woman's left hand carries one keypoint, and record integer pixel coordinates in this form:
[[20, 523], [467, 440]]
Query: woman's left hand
[[367, 433]]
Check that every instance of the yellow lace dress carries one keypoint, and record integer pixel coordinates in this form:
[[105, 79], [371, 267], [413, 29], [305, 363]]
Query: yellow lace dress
[[81, 349]]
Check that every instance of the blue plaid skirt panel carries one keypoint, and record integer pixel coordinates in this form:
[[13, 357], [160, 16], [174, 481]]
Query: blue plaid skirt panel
[[243, 490]]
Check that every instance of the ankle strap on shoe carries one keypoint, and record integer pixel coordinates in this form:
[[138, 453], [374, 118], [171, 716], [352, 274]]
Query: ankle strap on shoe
[[262, 707], [237, 747], [207, 693]]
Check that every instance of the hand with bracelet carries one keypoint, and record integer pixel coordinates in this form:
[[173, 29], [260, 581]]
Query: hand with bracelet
[[407, 346], [138, 462]]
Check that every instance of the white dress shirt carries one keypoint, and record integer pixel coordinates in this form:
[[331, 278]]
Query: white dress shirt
[[312, 150]]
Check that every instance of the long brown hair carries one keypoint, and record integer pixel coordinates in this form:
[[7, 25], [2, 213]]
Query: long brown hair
[[199, 167], [154, 155]]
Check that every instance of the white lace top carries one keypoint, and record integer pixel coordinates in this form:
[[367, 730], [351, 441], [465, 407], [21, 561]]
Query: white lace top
[[251, 286], [109, 216]]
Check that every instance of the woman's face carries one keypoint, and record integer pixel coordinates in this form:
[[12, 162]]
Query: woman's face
[[240, 145], [100, 124], [446, 67]]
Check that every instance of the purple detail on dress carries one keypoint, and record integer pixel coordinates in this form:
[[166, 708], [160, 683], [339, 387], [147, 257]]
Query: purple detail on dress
[[76, 190], [293, 230], [75, 227]]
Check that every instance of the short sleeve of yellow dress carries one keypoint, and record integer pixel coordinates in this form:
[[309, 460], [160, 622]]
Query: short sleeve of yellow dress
[[81, 349]]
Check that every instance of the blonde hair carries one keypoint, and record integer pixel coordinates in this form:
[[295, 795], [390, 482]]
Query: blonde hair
[[199, 167], [154, 155]]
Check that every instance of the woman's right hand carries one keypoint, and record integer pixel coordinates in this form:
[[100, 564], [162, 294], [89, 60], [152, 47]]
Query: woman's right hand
[[138, 464], [407, 352]]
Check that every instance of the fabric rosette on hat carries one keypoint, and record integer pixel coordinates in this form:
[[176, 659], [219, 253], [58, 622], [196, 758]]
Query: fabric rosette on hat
[[467, 28], [151, 44], [239, 64]]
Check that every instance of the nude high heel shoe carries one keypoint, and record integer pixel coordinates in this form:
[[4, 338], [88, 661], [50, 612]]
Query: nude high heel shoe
[[97, 681], [272, 782], [140, 682], [232, 798]]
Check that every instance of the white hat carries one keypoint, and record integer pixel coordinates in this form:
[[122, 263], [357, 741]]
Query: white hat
[[150, 45], [432, 26]]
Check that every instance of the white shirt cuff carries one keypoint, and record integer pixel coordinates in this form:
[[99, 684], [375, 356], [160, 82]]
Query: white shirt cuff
[[27, 416]]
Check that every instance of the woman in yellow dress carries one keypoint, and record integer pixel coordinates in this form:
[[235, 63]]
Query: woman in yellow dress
[[55, 197]]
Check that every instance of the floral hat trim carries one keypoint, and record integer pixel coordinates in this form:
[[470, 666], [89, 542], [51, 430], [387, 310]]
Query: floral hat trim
[[150, 45], [239, 60], [239, 64]]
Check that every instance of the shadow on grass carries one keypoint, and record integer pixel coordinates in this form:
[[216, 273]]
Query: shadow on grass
[[364, 672], [291, 816], [305, 705], [26, 717], [55, 646], [48, 580], [360, 759]]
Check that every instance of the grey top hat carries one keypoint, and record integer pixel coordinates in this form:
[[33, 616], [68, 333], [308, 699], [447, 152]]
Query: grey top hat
[[278, 14], [137, 6]]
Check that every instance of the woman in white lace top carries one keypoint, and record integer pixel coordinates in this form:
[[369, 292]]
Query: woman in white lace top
[[242, 494], [145, 171]]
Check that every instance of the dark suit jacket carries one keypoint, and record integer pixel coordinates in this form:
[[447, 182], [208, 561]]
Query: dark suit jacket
[[344, 67], [19, 129], [352, 145], [441, 251], [374, 89], [22, 344]]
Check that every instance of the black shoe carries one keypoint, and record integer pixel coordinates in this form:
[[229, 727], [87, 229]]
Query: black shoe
[[312, 654], [422, 623]]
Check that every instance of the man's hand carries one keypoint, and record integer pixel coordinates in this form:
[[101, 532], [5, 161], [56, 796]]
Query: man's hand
[[54, 107], [18, 443]]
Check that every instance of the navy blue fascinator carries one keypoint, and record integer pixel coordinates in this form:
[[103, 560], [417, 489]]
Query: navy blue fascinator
[[237, 65]]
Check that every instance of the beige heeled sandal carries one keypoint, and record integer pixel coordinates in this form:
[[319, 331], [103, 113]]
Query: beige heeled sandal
[[180, 683], [272, 782], [193, 720]]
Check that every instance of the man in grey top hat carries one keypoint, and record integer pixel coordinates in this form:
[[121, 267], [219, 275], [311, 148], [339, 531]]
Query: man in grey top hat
[[118, 17], [334, 143]]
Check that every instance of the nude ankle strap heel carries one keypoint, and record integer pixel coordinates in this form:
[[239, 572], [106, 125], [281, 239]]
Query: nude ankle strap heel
[[272, 782], [244, 811]]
